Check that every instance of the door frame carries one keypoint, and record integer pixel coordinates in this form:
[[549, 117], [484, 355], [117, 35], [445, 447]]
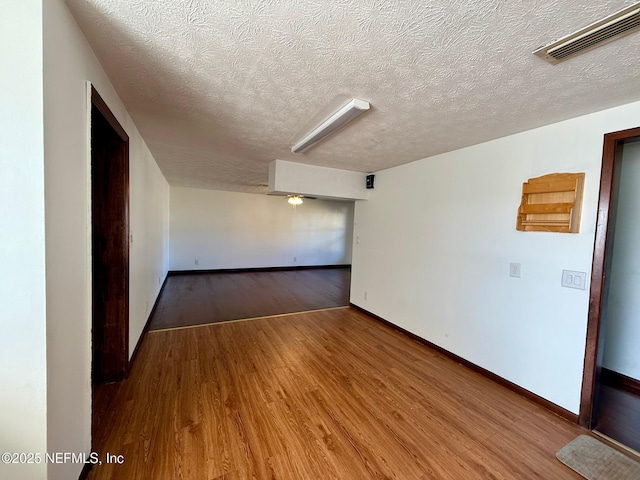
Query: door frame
[[611, 149], [121, 356]]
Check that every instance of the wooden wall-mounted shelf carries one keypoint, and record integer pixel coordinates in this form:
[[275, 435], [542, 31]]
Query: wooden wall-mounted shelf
[[551, 203]]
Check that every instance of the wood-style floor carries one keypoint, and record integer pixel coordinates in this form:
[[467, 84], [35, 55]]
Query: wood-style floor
[[216, 297], [331, 394], [618, 416]]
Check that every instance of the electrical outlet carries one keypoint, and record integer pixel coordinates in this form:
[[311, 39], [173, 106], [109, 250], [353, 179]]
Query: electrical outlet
[[197, 262], [365, 295], [514, 270], [295, 259]]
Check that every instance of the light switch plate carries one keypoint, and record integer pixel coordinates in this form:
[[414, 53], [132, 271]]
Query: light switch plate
[[571, 279]]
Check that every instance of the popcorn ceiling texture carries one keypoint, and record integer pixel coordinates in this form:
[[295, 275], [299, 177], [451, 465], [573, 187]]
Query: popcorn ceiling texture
[[219, 89]]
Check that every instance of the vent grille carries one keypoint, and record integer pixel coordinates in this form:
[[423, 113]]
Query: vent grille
[[604, 31]]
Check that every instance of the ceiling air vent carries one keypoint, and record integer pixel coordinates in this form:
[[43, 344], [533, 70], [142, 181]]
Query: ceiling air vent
[[598, 33]]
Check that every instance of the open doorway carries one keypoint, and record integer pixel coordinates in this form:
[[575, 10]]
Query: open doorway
[[110, 252], [610, 403]]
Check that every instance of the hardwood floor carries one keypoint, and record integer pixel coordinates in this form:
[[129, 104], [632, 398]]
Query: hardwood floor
[[619, 416], [331, 394], [216, 297], [103, 397]]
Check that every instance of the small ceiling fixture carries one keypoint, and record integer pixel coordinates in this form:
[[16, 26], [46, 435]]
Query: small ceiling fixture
[[342, 116], [295, 200], [603, 31]]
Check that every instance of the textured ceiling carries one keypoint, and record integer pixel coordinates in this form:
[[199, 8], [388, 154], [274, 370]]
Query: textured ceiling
[[219, 89]]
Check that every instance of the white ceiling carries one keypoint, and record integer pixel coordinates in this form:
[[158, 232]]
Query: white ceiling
[[219, 89]]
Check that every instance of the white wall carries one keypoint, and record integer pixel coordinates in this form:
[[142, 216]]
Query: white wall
[[149, 228], [243, 230], [436, 238], [23, 395], [621, 353], [68, 64]]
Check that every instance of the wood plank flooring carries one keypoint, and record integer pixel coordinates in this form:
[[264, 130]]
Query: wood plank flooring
[[619, 416], [322, 395], [215, 297]]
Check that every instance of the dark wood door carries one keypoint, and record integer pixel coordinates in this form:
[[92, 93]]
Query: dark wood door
[[591, 399], [110, 245], [613, 190]]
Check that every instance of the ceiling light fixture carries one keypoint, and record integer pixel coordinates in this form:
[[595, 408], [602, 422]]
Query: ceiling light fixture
[[603, 31], [342, 116], [295, 200]]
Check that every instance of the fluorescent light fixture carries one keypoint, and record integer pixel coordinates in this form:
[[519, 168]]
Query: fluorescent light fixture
[[345, 114]]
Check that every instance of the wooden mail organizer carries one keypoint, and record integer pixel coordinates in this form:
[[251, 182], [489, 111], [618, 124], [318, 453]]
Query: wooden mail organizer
[[551, 203]]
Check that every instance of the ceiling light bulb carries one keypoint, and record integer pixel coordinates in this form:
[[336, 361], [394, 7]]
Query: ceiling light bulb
[[295, 200]]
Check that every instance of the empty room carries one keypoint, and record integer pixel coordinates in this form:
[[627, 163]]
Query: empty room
[[303, 239]]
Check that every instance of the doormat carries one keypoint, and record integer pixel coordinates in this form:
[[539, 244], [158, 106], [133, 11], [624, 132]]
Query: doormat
[[596, 461]]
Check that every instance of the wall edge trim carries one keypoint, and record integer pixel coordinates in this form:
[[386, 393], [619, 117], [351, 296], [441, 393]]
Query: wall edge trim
[[84, 473], [552, 407], [254, 269], [618, 380], [145, 329]]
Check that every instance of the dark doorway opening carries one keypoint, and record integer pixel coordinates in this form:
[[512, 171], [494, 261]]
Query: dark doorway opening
[[608, 403], [109, 245]]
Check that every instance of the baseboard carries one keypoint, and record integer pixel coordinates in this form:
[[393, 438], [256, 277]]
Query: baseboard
[[557, 409], [620, 381], [84, 474], [257, 269], [145, 329]]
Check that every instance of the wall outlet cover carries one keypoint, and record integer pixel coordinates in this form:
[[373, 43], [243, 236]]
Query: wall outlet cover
[[571, 279], [514, 270]]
